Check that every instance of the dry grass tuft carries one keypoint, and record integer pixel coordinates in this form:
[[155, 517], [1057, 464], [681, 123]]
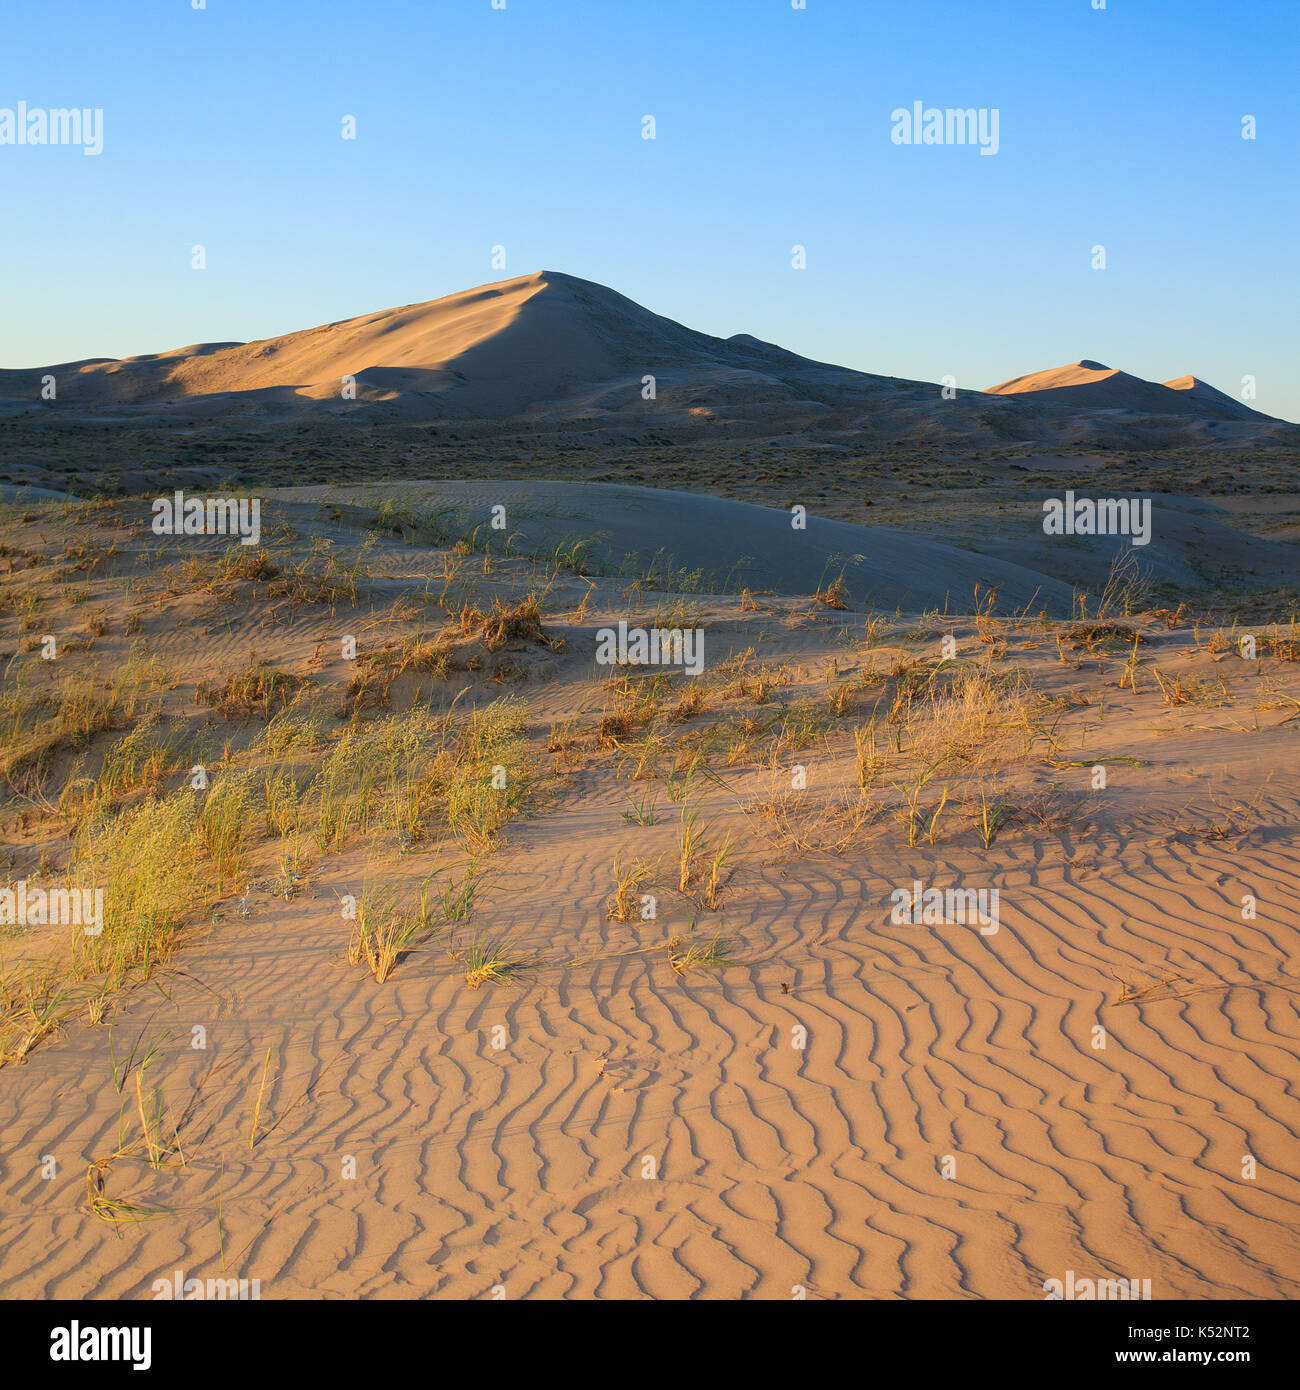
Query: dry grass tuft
[[259, 690], [503, 623]]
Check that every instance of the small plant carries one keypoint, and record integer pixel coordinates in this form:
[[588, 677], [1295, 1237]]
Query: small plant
[[281, 801], [133, 1058], [868, 757], [487, 960], [701, 955], [457, 898], [141, 759], [1127, 588], [382, 931], [112, 1209], [985, 623], [258, 690], [834, 594], [877, 626], [333, 816], [1163, 988], [575, 554], [720, 869], [615, 727], [841, 697], [689, 767], [34, 1001], [224, 824], [911, 815], [628, 877], [1091, 635], [257, 1107], [690, 704], [643, 809], [689, 844], [520, 622], [151, 1124], [932, 829], [991, 818], [291, 731]]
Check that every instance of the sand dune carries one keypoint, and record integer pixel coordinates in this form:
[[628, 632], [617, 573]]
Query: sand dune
[[492, 351], [555, 351], [1092, 385], [720, 544], [1193, 547], [1209, 397]]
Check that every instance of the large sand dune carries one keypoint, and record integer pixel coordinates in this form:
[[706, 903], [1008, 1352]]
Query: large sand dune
[[555, 352], [497, 350]]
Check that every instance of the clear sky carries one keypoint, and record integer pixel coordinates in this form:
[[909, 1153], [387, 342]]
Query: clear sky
[[522, 127]]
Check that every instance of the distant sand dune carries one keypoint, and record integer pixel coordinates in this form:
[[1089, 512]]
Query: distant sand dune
[[553, 348], [1092, 385]]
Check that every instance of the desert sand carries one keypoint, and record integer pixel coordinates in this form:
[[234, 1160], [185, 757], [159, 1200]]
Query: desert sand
[[769, 1086]]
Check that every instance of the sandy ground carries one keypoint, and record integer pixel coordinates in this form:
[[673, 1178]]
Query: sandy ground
[[857, 1108]]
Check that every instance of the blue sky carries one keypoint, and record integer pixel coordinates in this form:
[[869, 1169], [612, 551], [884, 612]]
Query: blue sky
[[522, 127]]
